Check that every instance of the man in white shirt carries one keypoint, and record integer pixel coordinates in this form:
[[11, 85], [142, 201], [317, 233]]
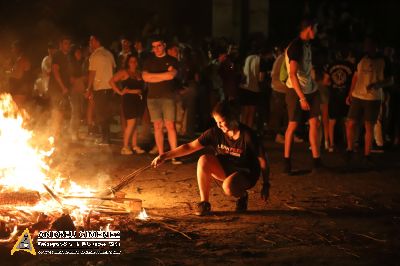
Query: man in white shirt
[[46, 66], [250, 91], [365, 95], [101, 68]]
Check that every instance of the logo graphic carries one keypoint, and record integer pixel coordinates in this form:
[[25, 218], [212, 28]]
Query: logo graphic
[[24, 243]]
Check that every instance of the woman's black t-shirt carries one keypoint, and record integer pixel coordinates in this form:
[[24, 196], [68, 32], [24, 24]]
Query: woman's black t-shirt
[[241, 154]]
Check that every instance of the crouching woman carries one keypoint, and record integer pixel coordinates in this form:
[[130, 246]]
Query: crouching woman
[[237, 162]]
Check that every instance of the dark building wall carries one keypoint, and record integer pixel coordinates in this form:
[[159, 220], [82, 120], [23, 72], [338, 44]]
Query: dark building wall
[[78, 17], [237, 19]]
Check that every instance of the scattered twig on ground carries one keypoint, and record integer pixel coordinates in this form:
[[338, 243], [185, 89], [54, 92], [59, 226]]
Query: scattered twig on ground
[[323, 238], [173, 229], [294, 207], [347, 251], [295, 238], [372, 238], [284, 237], [363, 206], [267, 240], [159, 261]]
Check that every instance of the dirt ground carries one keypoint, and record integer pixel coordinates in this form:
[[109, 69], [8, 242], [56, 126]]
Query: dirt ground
[[348, 215]]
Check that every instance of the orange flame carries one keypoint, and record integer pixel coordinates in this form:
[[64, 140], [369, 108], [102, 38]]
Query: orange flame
[[23, 166], [143, 215]]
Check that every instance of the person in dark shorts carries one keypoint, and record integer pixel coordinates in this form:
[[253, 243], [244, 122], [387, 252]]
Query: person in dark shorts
[[131, 91], [254, 71], [302, 96], [340, 73], [237, 161], [365, 95]]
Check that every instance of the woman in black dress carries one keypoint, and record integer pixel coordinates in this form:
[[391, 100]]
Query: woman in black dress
[[129, 84]]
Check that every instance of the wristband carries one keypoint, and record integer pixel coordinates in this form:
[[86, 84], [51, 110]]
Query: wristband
[[302, 100]]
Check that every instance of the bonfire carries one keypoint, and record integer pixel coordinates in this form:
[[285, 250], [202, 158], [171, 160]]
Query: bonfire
[[34, 196]]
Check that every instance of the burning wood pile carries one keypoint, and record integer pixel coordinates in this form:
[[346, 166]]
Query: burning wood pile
[[34, 197], [30, 209]]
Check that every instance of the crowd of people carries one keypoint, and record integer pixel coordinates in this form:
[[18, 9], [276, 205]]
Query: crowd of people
[[307, 86]]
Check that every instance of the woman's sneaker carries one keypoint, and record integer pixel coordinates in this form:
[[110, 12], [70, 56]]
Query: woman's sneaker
[[154, 150], [377, 149], [176, 161], [203, 208], [296, 139], [327, 146], [138, 150], [126, 151], [241, 203]]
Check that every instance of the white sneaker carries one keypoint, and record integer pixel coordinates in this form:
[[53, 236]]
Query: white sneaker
[[176, 161], [138, 150], [154, 150], [126, 151], [377, 149], [327, 146], [280, 139]]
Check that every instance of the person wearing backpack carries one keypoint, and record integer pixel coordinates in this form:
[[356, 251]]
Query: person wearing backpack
[[278, 121], [302, 97]]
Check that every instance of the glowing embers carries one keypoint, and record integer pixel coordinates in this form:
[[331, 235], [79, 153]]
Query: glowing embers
[[143, 215], [39, 198]]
